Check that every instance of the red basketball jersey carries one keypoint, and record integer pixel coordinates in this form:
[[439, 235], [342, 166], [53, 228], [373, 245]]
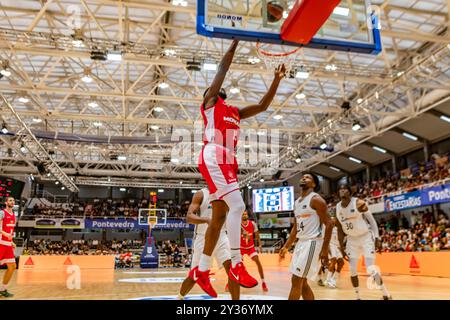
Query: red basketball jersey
[[7, 224], [221, 124], [247, 235]]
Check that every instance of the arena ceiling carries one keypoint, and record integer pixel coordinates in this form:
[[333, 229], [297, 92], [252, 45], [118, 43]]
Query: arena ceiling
[[123, 124]]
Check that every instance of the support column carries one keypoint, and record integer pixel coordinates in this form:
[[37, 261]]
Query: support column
[[426, 150]]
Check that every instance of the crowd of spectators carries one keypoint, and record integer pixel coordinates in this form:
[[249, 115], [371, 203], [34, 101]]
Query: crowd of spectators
[[128, 208], [422, 233], [407, 180], [81, 247]]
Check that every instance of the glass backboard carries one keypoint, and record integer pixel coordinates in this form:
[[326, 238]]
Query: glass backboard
[[353, 26]]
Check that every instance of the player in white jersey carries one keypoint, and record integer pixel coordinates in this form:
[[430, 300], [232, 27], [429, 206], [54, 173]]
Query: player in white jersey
[[199, 213], [354, 219], [311, 213], [336, 258]]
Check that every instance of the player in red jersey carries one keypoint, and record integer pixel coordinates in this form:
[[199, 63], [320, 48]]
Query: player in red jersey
[[250, 232], [218, 166], [7, 224]]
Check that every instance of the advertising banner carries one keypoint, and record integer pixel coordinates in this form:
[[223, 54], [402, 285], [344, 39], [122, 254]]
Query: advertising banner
[[133, 224], [424, 197]]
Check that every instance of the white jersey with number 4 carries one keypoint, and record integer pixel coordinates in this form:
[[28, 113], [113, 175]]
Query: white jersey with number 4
[[308, 221], [205, 212], [351, 219]]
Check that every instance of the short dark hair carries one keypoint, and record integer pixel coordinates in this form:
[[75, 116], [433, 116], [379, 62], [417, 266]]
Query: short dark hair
[[316, 180], [345, 186], [222, 93], [7, 198]]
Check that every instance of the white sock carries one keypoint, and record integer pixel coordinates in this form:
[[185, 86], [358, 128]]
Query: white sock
[[4, 287], [262, 280], [329, 275], [205, 262], [357, 292], [235, 257], [180, 297], [236, 208]]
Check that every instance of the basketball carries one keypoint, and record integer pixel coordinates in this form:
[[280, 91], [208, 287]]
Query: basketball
[[274, 11]]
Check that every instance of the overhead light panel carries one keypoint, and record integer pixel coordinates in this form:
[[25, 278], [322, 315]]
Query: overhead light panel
[[4, 129], [210, 66], [93, 104], [182, 3], [355, 160], [300, 96], [298, 160], [445, 118], [24, 99], [335, 169], [121, 158], [302, 75], [360, 100], [23, 149], [235, 90], [160, 190], [410, 136], [158, 109], [163, 85], [114, 56], [341, 11], [356, 126], [278, 117], [170, 52], [97, 124], [261, 180], [87, 78], [37, 120], [331, 67], [379, 149], [154, 127], [123, 189], [323, 145]]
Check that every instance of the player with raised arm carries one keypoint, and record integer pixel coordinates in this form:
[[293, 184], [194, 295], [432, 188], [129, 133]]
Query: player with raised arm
[[311, 213], [354, 219], [7, 224], [199, 213], [218, 166]]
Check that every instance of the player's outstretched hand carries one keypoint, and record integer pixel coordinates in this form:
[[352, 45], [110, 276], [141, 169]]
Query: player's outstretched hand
[[324, 257], [378, 245], [280, 71], [282, 253]]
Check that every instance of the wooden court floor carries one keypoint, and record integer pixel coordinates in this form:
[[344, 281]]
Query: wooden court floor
[[164, 283]]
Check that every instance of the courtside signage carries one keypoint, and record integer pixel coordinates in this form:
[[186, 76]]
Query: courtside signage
[[425, 197]]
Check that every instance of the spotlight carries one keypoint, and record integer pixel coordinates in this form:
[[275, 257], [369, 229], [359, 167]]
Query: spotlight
[[98, 55], [210, 66], [193, 66], [23, 149], [323, 145], [114, 56], [158, 109], [24, 99], [4, 129], [163, 85], [356, 126], [235, 90]]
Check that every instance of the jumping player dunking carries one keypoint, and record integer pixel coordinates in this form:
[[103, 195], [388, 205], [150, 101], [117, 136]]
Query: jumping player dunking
[[7, 224], [311, 213], [355, 220], [218, 166], [199, 213]]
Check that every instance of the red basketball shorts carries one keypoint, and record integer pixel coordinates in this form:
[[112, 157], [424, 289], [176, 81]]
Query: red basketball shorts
[[218, 167]]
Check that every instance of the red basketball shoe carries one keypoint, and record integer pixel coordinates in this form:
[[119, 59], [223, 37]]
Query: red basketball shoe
[[264, 287], [240, 275], [202, 279]]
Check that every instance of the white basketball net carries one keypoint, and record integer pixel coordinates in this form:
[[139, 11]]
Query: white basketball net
[[274, 55]]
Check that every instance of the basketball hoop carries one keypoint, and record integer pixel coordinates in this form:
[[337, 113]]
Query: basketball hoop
[[273, 59], [152, 221]]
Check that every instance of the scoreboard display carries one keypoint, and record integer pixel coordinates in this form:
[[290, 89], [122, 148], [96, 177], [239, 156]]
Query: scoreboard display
[[10, 188], [273, 199]]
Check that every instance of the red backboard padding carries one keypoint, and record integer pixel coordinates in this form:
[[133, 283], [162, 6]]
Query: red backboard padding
[[306, 18]]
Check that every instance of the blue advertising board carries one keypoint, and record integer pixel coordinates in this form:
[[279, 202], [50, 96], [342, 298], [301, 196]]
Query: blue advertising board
[[424, 197], [133, 224]]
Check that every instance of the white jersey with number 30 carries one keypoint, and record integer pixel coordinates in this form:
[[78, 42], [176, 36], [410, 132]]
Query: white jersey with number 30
[[308, 221], [352, 221]]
